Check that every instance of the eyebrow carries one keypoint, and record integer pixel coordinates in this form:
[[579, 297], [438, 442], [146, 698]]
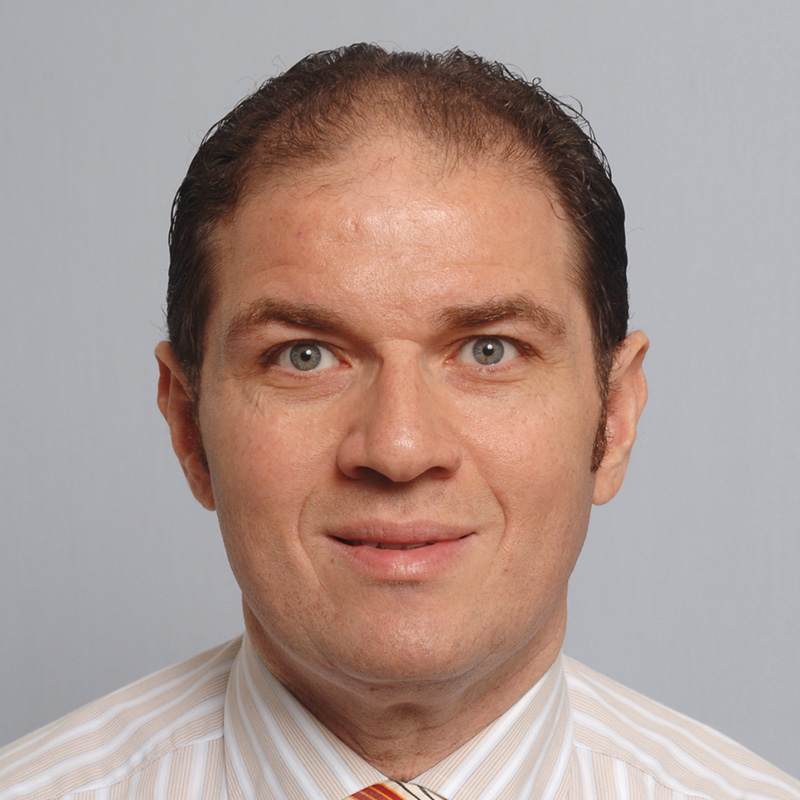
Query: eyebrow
[[517, 307], [265, 311]]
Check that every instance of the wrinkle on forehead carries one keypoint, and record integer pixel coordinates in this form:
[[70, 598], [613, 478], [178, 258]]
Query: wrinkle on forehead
[[375, 154], [399, 177]]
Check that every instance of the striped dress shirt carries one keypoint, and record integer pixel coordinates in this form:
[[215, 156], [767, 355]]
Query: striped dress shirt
[[220, 726]]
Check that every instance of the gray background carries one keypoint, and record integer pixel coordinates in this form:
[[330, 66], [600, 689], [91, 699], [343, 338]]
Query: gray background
[[688, 588]]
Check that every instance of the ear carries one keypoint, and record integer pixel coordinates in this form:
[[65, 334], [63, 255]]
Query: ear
[[625, 405], [176, 401]]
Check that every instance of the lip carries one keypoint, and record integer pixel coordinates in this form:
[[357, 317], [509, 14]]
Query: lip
[[400, 552]]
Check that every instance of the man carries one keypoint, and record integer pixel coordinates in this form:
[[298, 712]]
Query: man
[[399, 370]]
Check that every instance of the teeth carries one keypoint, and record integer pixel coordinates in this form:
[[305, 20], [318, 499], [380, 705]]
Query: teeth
[[384, 546]]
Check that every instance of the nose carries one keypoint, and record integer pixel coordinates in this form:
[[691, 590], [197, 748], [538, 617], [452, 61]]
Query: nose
[[401, 429]]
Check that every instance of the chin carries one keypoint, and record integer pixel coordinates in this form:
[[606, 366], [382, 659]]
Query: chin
[[413, 655]]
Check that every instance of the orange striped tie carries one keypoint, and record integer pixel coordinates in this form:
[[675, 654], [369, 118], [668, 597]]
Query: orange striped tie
[[394, 790]]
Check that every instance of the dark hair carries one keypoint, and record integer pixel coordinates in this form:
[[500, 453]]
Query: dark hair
[[462, 104]]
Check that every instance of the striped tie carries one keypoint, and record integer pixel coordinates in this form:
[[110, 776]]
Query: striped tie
[[394, 790]]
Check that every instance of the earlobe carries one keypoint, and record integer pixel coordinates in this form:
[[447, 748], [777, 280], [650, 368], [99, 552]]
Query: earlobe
[[177, 404], [625, 404]]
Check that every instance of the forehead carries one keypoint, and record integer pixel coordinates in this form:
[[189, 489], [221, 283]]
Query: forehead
[[393, 226]]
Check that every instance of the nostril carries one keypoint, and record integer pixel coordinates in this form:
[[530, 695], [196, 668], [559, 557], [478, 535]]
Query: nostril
[[401, 429]]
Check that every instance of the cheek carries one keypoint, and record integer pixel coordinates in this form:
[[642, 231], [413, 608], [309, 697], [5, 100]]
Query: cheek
[[531, 442], [256, 456], [537, 462], [264, 467]]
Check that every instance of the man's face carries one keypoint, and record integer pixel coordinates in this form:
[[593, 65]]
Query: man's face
[[398, 405]]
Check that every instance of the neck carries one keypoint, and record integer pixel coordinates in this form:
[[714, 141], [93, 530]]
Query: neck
[[404, 728]]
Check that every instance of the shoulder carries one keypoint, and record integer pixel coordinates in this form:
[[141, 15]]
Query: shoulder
[[114, 739], [631, 737]]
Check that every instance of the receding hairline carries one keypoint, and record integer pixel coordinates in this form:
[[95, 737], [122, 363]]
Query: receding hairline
[[387, 106], [453, 125]]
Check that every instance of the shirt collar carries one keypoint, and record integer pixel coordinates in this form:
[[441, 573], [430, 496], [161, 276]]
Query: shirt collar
[[276, 749]]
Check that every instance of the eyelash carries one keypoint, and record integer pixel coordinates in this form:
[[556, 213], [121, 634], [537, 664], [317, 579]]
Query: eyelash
[[522, 349], [271, 356]]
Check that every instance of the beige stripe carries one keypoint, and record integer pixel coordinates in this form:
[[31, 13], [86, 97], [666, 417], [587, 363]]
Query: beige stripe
[[240, 742], [572, 785], [155, 683], [264, 748], [551, 690], [180, 774], [616, 703], [663, 792], [684, 770], [625, 745], [588, 783], [631, 720], [85, 736], [147, 782], [83, 774], [81, 747], [730, 761], [214, 771], [276, 698], [119, 791], [603, 770], [545, 773]]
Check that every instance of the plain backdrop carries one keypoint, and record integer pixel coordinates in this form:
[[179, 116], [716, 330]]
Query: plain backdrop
[[688, 587]]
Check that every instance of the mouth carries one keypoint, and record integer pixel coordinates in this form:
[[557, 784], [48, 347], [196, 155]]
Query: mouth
[[398, 552], [387, 545]]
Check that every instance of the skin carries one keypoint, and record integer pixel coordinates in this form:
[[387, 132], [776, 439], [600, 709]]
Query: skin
[[391, 269]]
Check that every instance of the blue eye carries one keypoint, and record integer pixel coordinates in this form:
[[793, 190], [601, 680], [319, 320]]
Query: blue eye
[[307, 357], [488, 351]]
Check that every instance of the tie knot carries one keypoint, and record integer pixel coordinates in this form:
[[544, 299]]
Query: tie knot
[[394, 790]]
